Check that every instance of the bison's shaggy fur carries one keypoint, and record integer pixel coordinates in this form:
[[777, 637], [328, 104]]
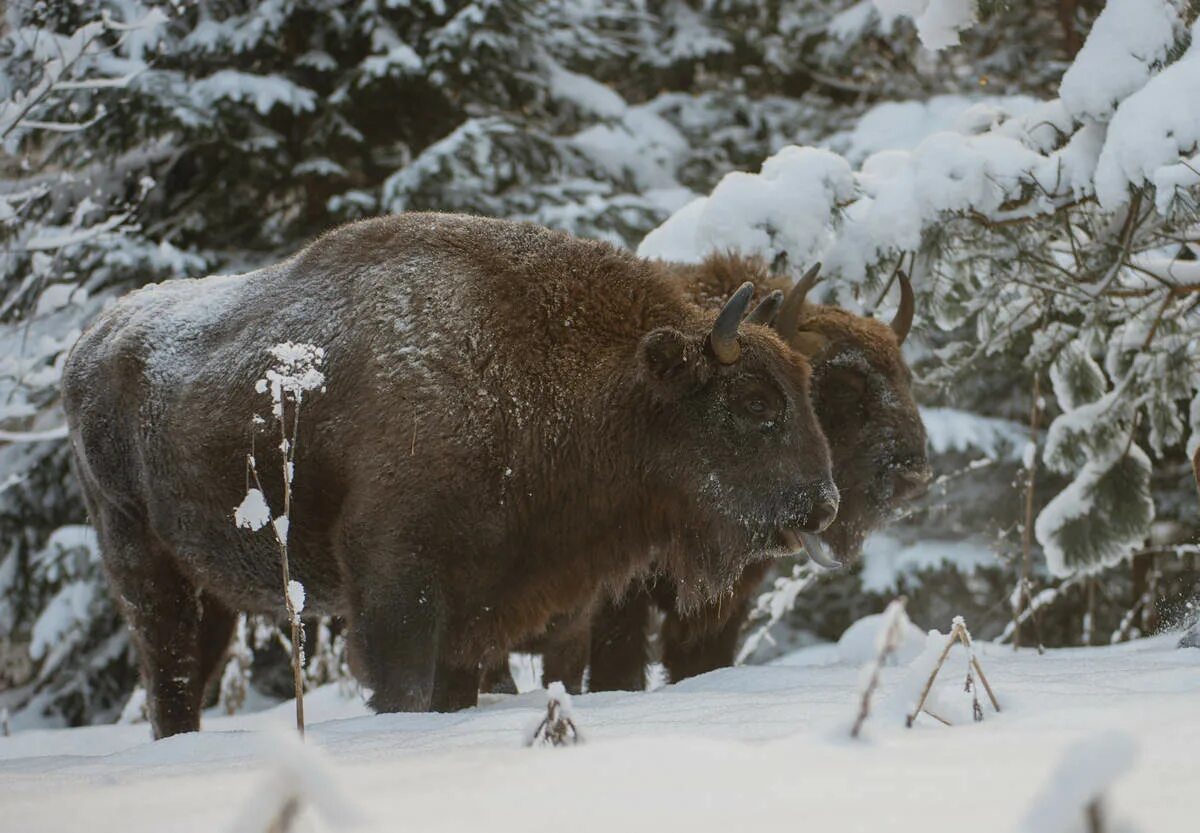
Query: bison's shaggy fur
[[515, 420], [863, 398]]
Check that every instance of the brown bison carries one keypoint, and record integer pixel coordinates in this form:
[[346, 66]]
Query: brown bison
[[514, 421], [863, 398]]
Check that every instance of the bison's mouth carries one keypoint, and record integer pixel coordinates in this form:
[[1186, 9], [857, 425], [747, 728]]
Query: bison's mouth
[[812, 545]]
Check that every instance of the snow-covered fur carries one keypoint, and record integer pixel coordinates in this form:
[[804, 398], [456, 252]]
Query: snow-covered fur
[[862, 392], [514, 420]]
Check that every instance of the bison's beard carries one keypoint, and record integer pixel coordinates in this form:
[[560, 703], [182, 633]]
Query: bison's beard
[[707, 574], [863, 508]]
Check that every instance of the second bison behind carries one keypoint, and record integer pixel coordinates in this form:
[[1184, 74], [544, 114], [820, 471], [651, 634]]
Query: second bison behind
[[515, 421]]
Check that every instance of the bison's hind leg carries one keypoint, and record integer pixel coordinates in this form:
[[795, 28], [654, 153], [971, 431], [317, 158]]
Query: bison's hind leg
[[216, 629], [497, 678], [164, 612]]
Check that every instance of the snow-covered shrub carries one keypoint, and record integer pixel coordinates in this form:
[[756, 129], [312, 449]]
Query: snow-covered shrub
[[557, 726]]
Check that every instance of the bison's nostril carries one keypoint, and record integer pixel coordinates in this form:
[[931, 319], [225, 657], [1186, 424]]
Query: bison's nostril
[[910, 484], [821, 516]]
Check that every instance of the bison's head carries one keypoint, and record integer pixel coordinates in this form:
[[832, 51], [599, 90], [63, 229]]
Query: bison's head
[[862, 392], [739, 439]]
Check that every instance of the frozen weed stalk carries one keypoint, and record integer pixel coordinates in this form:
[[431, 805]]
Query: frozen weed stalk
[[1073, 795], [959, 634], [296, 370], [300, 791], [557, 728], [895, 619]]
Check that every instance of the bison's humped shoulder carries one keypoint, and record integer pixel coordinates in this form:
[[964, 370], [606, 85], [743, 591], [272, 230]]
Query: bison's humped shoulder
[[176, 318], [416, 321]]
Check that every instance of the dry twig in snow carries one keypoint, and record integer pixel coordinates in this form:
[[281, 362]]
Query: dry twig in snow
[[895, 618], [297, 369], [557, 728], [959, 634]]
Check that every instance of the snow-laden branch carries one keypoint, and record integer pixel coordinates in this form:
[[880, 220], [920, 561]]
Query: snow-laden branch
[[59, 433], [1084, 261], [1153, 134], [938, 22], [61, 60], [1127, 43], [808, 204], [52, 239], [1182, 273]]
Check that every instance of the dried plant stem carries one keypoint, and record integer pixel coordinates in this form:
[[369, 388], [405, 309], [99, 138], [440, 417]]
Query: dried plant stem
[[1089, 615], [986, 686], [1037, 622], [1023, 595], [293, 619], [960, 634], [285, 817], [556, 728], [289, 468], [1196, 470], [891, 640], [933, 676], [937, 717]]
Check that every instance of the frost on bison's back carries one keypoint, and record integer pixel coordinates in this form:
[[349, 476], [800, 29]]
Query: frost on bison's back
[[510, 416]]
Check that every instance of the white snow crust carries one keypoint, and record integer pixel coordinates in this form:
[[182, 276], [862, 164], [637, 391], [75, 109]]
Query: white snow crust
[[295, 591], [745, 748]]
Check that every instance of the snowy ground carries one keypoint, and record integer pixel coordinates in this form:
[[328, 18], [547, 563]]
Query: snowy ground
[[751, 748]]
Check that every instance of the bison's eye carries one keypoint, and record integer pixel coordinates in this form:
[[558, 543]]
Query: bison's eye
[[757, 401], [842, 384]]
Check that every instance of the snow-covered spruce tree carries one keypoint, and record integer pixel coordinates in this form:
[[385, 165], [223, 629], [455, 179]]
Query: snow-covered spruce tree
[[66, 226], [1066, 236]]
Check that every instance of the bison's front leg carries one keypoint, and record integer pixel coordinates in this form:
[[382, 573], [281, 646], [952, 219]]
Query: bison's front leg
[[707, 639], [397, 618], [455, 689], [620, 648]]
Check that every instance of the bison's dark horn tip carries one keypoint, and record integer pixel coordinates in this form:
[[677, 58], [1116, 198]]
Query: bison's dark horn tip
[[902, 323], [766, 310], [788, 319]]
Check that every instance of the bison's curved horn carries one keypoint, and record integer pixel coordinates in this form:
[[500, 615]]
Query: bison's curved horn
[[788, 320], [766, 310], [723, 338], [902, 323]]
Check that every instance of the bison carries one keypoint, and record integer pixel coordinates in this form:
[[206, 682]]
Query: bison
[[515, 421], [863, 398]]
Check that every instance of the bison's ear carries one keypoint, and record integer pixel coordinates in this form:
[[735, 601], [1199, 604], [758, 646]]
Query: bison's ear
[[808, 343], [670, 359]]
